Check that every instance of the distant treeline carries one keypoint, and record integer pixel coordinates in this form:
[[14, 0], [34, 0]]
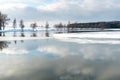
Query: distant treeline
[[112, 24]]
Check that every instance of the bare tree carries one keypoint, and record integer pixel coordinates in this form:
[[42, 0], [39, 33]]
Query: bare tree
[[3, 20], [47, 25], [14, 23], [22, 25], [33, 26]]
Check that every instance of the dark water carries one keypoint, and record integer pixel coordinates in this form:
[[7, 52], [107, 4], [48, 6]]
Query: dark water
[[55, 59]]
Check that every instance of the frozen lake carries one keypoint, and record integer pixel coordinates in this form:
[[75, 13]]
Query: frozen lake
[[51, 56]]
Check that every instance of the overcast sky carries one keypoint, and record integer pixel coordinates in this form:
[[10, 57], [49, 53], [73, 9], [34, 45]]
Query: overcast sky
[[56, 11]]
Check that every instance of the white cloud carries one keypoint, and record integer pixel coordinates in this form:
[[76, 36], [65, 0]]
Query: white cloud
[[8, 1], [56, 50], [19, 1], [37, 68], [12, 6], [62, 10], [14, 51]]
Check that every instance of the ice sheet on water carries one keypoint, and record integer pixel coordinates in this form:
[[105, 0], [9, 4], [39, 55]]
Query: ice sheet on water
[[90, 37], [112, 34]]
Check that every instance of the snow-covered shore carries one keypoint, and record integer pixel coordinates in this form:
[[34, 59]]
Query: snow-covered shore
[[106, 34], [108, 37], [110, 34]]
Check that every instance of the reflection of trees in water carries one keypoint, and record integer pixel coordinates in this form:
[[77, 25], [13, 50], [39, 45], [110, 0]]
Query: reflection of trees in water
[[2, 34], [3, 44], [47, 33], [22, 41], [15, 42], [14, 34], [34, 34], [22, 34]]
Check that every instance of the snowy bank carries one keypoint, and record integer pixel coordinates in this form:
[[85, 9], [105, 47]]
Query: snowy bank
[[110, 35]]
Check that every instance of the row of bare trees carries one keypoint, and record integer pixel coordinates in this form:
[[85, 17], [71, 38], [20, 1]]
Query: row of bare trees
[[32, 25], [21, 24], [4, 19]]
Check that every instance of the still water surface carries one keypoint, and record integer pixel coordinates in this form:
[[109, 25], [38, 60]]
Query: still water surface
[[56, 59]]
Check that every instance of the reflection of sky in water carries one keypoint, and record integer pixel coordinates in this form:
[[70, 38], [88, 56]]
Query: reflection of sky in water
[[53, 47], [52, 59]]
